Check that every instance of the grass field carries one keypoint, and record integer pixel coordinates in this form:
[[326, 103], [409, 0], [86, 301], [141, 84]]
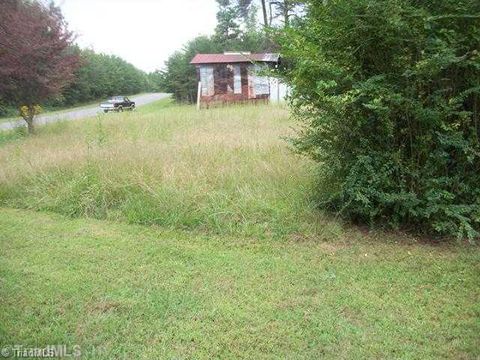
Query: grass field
[[172, 233], [222, 171]]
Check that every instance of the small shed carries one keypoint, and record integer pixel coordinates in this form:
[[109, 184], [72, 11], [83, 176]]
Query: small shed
[[233, 76]]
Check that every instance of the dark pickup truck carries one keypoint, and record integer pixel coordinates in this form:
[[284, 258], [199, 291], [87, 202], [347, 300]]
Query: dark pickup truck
[[117, 103]]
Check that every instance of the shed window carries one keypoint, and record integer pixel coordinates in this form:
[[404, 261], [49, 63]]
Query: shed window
[[237, 80], [206, 78], [223, 74], [262, 85]]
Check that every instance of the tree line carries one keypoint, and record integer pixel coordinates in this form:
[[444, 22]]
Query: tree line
[[100, 76], [97, 76]]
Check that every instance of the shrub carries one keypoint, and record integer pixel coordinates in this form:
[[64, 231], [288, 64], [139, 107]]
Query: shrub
[[388, 91]]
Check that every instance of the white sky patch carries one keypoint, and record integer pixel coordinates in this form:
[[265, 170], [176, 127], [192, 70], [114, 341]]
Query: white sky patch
[[143, 32]]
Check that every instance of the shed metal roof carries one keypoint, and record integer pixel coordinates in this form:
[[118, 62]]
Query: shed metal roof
[[234, 58]]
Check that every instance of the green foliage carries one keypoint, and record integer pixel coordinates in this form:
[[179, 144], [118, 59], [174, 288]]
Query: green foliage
[[156, 81], [389, 94]]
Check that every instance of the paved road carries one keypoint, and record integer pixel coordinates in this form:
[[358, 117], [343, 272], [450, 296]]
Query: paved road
[[81, 113]]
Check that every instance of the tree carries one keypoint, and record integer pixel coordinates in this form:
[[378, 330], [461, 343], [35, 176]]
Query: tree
[[245, 7], [237, 24], [156, 81], [280, 9], [264, 13], [284, 9], [228, 27], [37, 59], [389, 93]]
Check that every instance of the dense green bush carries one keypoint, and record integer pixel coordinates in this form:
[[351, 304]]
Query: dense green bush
[[388, 91]]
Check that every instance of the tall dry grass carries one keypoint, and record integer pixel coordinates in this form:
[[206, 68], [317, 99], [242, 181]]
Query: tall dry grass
[[226, 170]]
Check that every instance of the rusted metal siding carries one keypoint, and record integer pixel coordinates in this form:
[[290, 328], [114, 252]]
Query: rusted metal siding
[[207, 80], [233, 77], [222, 83], [251, 82], [237, 79]]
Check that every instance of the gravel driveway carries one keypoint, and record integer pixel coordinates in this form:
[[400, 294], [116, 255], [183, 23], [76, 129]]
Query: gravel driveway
[[80, 113]]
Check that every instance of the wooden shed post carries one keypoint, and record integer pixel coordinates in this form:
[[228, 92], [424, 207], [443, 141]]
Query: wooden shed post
[[278, 90], [199, 92]]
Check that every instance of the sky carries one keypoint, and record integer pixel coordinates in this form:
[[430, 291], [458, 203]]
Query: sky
[[143, 32]]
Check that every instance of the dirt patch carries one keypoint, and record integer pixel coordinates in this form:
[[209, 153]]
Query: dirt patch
[[104, 306]]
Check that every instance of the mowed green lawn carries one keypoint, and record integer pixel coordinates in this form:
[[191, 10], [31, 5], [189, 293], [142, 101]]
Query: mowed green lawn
[[172, 233]]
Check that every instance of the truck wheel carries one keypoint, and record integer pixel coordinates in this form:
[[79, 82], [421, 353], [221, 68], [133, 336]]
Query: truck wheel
[[105, 111], [120, 108]]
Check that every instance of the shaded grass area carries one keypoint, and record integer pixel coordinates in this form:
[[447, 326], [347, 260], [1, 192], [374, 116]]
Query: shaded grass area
[[129, 291], [223, 170]]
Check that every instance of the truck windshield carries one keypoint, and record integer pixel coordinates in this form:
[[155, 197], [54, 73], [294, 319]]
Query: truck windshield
[[115, 99]]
